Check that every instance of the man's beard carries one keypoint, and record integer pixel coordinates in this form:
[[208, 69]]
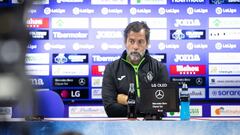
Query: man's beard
[[135, 57]]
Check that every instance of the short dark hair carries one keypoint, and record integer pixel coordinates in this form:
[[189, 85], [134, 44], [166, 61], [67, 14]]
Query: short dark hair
[[136, 27]]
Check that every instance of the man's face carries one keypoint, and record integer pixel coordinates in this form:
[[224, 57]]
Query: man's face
[[136, 46]]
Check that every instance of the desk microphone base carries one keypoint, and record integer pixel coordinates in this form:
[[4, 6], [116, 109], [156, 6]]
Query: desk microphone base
[[158, 116]]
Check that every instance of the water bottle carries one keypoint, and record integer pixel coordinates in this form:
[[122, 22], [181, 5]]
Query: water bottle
[[131, 101], [184, 103]]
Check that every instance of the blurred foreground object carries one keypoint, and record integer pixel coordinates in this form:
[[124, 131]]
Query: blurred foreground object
[[70, 133], [15, 88], [50, 104]]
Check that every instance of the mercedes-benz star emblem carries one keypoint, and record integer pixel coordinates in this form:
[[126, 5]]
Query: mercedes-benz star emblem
[[199, 81], [159, 94], [81, 81]]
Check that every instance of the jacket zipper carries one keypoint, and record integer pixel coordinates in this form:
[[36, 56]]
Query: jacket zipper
[[136, 75]]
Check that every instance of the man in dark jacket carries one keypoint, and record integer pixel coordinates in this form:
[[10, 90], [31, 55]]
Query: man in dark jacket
[[135, 66]]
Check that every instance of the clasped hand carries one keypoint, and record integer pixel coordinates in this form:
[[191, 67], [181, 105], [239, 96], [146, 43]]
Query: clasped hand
[[122, 99]]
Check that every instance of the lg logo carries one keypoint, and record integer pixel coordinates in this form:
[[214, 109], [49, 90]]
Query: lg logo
[[75, 94], [70, 94]]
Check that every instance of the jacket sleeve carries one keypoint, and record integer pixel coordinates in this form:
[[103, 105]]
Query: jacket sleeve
[[164, 77], [109, 95]]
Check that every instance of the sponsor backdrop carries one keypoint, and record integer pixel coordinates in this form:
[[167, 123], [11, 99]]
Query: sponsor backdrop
[[198, 40]]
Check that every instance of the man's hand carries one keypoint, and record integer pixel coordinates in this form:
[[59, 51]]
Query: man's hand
[[122, 99]]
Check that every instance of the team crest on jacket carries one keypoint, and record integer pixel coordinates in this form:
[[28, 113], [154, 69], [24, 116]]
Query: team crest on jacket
[[150, 76]]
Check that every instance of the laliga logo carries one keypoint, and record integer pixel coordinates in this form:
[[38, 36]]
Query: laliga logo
[[159, 94], [48, 11], [48, 46], [106, 46]]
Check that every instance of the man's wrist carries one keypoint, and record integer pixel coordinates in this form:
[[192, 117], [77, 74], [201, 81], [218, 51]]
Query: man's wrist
[[126, 99]]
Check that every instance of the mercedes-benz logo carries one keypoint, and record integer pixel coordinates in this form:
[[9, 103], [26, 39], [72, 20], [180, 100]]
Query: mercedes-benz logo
[[82, 81], [159, 94], [199, 81]]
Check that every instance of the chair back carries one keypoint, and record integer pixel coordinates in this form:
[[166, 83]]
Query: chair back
[[49, 104]]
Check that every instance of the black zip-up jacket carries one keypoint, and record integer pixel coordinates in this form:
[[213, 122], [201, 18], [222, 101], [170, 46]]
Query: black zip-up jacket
[[119, 74]]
